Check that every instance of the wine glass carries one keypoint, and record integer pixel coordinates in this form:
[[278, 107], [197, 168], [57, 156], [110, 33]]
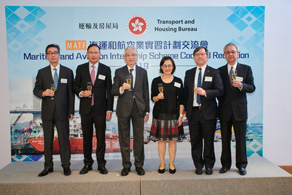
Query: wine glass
[[89, 88], [129, 81], [53, 89], [160, 88], [234, 75]]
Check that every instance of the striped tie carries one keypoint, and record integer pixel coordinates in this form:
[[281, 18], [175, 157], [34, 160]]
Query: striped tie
[[199, 85], [92, 75]]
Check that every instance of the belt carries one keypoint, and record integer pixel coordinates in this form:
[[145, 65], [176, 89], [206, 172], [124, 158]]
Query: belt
[[197, 107]]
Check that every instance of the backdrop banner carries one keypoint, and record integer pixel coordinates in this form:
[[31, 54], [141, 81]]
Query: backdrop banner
[[154, 31]]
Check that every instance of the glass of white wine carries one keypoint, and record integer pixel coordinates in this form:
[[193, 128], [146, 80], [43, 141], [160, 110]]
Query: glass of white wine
[[129, 80], [160, 88], [234, 75], [89, 88], [53, 89]]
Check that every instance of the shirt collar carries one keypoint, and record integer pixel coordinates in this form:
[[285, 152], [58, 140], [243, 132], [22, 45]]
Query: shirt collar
[[95, 65], [131, 68], [58, 67], [234, 66], [203, 67]]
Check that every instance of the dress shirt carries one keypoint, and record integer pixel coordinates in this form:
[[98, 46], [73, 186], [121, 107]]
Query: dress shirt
[[90, 69], [53, 71], [229, 67]]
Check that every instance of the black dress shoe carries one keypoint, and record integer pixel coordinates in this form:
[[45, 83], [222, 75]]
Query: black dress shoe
[[102, 170], [199, 171], [125, 171], [209, 171], [223, 170], [242, 171], [67, 171], [161, 171], [172, 171], [140, 171], [85, 169], [45, 172]]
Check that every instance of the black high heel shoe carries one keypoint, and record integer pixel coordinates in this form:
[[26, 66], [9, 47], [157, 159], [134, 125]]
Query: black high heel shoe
[[172, 171], [161, 171]]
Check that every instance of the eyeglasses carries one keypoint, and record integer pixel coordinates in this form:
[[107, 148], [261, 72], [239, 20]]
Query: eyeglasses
[[130, 55], [199, 54], [230, 53], [93, 53], [52, 53], [167, 66]]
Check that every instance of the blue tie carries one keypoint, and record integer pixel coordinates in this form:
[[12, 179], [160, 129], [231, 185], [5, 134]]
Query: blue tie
[[199, 85], [56, 79]]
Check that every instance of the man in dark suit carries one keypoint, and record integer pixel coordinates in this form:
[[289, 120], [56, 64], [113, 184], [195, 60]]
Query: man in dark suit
[[202, 85], [133, 104], [96, 105], [233, 108], [57, 107]]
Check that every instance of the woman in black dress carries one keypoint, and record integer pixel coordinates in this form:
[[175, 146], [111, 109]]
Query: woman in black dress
[[167, 93]]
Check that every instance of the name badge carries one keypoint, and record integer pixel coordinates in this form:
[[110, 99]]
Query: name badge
[[176, 84], [63, 80], [208, 79], [101, 77], [239, 79]]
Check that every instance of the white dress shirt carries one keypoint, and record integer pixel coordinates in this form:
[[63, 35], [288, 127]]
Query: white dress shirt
[[53, 71]]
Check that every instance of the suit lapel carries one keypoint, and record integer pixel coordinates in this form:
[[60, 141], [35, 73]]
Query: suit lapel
[[206, 73], [225, 75], [61, 75], [239, 69], [194, 78], [99, 71], [87, 71], [125, 69], [49, 73], [126, 72], [138, 75]]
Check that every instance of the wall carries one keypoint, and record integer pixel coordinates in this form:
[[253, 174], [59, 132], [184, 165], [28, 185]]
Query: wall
[[277, 110]]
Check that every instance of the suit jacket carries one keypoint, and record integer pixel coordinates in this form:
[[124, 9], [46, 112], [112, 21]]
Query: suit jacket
[[213, 88], [140, 91], [101, 89], [64, 96], [234, 100]]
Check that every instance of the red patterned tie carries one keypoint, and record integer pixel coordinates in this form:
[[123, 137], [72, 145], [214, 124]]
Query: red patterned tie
[[92, 75]]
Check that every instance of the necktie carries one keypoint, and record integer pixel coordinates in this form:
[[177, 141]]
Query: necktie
[[230, 75], [56, 79], [92, 75], [132, 81], [199, 85]]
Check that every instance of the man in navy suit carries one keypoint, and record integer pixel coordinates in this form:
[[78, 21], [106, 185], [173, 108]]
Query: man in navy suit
[[133, 105], [233, 108], [96, 106], [57, 107], [202, 85]]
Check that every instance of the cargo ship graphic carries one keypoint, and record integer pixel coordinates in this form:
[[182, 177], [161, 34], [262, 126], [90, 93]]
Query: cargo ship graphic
[[30, 140], [76, 145]]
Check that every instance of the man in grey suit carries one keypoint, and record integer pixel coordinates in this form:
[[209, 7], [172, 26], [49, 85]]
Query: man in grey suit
[[233, 108], [54, 85], [133, 104]]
